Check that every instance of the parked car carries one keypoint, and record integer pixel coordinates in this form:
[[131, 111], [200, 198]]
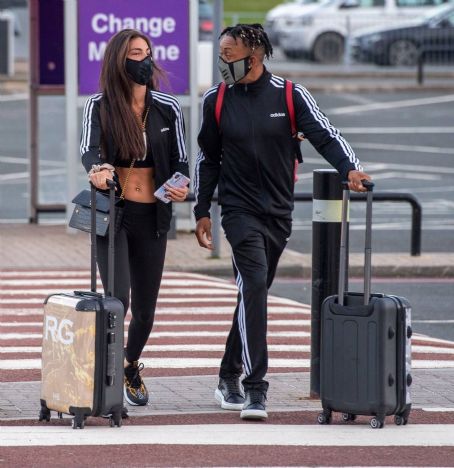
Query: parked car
[[277, 17], [320, 30], [206, 25], [433, 33]]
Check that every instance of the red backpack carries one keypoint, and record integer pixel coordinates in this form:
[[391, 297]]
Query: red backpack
[[291, 112]]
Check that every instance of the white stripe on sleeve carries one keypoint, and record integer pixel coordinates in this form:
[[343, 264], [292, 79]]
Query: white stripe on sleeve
[[324, 122], [87, 122]]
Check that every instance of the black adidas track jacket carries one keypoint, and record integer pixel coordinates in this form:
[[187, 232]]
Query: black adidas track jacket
[[251, 156], [165, 132]]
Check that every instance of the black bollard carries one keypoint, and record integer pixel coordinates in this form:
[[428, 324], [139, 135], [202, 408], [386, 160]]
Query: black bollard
[[326, 228]]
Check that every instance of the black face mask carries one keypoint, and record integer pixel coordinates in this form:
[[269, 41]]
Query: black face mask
[[140, 71], [232, 72]]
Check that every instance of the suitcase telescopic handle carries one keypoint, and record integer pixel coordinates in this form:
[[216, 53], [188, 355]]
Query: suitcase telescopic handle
[[110, 260], [93, 237], [368, 242], [343, 242]]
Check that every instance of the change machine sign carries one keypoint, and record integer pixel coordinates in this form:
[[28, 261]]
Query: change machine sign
[[166, 23]]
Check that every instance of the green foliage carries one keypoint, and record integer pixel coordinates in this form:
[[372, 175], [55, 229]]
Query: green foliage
[[250, 5], [247, 11]]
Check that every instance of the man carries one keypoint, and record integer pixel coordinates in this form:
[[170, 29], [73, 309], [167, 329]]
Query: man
[[251, 156]]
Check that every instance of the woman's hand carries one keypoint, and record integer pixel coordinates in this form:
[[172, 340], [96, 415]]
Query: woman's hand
[[176, 194], [98, 179]]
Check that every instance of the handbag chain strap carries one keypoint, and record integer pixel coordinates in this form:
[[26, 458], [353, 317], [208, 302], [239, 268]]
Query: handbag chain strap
[[143, 125]]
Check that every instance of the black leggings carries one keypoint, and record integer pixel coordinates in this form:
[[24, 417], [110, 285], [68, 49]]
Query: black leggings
[[139, 262]]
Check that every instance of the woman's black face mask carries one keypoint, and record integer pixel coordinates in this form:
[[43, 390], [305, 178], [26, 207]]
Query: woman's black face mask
[[140, 71]]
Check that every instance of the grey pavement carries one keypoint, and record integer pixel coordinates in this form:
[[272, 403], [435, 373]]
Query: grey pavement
[[432, 389], [50, 246]]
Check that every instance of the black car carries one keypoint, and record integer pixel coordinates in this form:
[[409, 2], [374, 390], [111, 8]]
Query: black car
[[433, 33]]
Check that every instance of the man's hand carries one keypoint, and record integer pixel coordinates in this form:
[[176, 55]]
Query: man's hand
[[203, 233], [354, 181]]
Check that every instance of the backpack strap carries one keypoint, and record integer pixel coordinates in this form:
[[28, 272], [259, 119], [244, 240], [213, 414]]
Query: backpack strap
[[219, 101], [295, 135], [290, 106]]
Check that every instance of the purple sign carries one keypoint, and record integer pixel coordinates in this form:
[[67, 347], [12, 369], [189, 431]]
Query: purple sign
[[51, 43], [166, 23]]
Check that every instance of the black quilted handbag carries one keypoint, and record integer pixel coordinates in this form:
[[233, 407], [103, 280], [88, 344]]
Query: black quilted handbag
[[81, 217]]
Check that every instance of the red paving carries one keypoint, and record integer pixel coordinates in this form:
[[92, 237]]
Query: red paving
[[219, 455], [185, 455], [417, 416]]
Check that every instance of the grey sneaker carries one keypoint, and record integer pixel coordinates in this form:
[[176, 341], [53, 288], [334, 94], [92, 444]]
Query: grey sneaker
[[254, 406], [229, 394]]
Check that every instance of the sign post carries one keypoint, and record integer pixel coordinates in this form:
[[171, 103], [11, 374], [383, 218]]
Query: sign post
[[72, 155]]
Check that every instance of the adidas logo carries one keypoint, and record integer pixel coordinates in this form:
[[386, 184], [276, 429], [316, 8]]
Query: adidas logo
[[278, 114]]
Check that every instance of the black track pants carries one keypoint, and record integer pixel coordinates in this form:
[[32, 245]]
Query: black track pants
[[139, 262], [257, 245]]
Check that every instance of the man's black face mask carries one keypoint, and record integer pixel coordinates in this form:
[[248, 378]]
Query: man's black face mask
[[232, 72]]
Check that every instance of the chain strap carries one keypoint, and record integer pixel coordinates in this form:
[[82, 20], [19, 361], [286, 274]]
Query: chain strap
[[143, 125], [123, 190], [144, 122]]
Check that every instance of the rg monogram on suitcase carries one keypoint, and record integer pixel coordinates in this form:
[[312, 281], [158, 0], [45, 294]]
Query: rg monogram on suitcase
[[365, 358], [82, 351]]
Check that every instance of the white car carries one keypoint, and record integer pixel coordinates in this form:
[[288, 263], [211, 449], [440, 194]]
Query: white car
[[319, 30], [277, 17]]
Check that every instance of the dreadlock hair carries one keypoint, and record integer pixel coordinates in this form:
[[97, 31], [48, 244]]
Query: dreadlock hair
[[252, 35]]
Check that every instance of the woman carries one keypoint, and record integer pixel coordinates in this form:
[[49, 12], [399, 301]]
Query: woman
[[135, 133]]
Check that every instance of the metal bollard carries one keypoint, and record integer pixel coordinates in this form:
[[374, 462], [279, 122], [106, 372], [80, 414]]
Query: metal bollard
[[216, 230], [326, 228]]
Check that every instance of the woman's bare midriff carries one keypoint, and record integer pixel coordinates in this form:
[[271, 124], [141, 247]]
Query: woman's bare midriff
[[141, 186]]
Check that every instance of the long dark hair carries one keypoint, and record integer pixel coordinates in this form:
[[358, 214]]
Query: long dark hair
[[117, 117]]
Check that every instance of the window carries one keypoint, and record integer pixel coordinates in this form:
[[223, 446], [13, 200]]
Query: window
[[450, 18], [419, 3], [371, 3]]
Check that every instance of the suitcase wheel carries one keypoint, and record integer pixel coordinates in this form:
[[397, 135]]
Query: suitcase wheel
[[324, 418], [44, 415], [400, 420], [116, 420], [376, 423], [348, 417], [78, 423]]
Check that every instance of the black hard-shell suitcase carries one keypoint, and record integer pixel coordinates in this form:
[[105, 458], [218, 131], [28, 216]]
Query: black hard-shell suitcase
[[82, 350], [365, 359]]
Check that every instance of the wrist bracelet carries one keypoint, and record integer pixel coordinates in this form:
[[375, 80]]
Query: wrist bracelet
[[100, 167]]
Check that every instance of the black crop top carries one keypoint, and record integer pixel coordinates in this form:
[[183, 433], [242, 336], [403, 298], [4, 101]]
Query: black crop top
[[146, 161]]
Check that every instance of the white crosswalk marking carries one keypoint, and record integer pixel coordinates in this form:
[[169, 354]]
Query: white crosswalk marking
[[414, 435], [193, 317]]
